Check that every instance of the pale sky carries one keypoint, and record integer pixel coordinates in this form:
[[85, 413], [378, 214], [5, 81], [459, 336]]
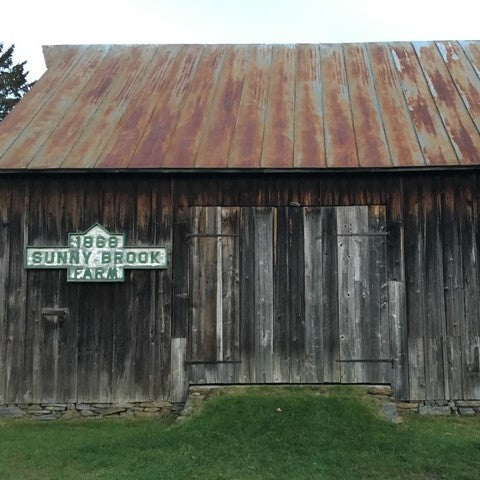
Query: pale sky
[[49, 22]]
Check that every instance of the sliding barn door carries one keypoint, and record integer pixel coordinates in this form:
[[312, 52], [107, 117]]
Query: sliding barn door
[[213, 347], [288, 295], [363, 295]]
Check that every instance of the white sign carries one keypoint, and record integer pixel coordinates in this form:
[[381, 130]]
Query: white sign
[[96, 256]]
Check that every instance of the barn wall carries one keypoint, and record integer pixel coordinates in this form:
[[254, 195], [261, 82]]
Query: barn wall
[[126, 341]]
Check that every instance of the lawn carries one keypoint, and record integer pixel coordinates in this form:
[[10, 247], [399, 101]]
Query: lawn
[[272, 433]]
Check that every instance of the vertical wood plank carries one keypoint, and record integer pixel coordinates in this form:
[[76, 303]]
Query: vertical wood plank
[[15, 327], [434, 295], [314, 295], [453, 286], [93, 373], [203, 284], [396, 287], [180, 254], [263, 295], [396, 317], [377, 326], [415, 282], [178, 384], [281, 325], [143, 286], [230, 293], [330, 306], [124, 329], [471, 328], [352, 289], [162, 321], [68, 295], [247, 295], [5, 211], [296, 294]]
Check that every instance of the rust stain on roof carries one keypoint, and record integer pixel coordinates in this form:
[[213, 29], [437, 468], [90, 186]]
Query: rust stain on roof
[[309, 148], [381, 105]]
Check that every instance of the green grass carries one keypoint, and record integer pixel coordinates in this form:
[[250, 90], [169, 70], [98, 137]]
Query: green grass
[[318, 434]]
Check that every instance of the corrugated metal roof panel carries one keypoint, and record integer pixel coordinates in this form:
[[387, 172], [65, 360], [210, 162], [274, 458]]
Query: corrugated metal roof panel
[[249, 106]]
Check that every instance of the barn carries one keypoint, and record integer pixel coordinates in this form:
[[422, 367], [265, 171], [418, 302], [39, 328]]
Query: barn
[[176, 215]]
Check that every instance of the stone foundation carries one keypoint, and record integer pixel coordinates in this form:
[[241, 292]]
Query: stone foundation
[[53, 411], [453, 407]]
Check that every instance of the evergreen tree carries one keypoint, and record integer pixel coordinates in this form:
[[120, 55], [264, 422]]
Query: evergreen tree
[[13, 81]]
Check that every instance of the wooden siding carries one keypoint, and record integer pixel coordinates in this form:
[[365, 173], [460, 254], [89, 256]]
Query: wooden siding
[[129, 341], [301, 326]]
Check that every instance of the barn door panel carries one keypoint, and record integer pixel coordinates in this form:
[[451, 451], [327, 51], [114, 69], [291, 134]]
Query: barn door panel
[[288, 295], [213, 347], [258, 358], [263, 300], [322, 348], [363, 295]]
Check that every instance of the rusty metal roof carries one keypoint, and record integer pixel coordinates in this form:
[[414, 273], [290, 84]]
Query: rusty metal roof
[[377, 105]]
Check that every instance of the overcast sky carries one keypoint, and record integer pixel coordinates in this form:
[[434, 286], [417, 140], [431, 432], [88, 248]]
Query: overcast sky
[[48, 22]]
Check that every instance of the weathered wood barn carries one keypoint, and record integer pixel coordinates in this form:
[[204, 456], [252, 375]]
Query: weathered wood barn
[[318, 205]]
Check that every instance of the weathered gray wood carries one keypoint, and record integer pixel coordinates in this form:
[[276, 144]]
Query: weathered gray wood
[[395, 258], [281, 324], [362, 295], [471, 327], [144, 293], [123, 346], [328, 258], [214, 290], [352, 289], [229, 329], [263, 295], [15, 328], [124, 326], [195, 344], [178, 384], [314, 295], [95, 356], [416, 365], [296, 294], [396, 321], [378, 327], [163, 304], [5, 208], [453, 289], [321, 298], [180, 252], [436, 387], [415, 285], [247, 293]]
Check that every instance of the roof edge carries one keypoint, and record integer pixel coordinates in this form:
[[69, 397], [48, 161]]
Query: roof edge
[[241, 171]]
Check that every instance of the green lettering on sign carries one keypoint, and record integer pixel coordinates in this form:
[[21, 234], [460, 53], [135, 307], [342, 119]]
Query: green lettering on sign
[[96, 256]]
